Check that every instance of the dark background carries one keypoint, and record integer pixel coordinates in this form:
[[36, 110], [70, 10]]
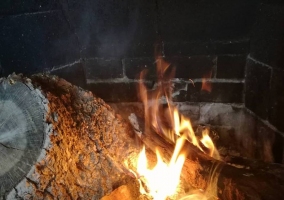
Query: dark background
[[102, 45]]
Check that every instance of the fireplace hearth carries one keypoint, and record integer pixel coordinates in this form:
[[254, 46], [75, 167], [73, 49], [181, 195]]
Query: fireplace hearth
[[90, 148], [229, 79]]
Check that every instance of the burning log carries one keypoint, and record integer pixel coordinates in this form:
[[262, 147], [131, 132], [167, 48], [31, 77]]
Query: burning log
[[125, 192], [58, 141], [245, 180], [172, 137]]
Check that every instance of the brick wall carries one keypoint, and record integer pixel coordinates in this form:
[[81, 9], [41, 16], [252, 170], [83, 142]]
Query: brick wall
[[264, 93], [103, 45], [120, 76]]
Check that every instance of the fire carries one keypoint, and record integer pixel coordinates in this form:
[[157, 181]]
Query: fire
[[208, 143], [163, 179], [206, 85]]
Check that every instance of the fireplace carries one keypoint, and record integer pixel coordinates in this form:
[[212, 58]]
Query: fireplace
[[227, 58]]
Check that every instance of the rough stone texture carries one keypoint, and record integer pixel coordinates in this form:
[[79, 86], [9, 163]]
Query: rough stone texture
[[227, 92], [257, 88], [276, 103], [99, 68], [249, 135], [267, 38], [231, 67]]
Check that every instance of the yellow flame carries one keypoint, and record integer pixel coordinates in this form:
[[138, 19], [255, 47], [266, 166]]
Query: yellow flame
[[162, 180], [208, 143]]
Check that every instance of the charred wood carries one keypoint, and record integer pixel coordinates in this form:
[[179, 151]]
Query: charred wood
[[58, 141], [238, 179]]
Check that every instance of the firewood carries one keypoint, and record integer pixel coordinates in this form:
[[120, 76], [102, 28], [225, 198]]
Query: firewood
[[22, 129], [129, 191], [123, 192], [252, 180], [58, 141]]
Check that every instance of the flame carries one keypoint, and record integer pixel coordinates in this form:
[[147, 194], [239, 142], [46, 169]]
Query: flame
[[206, 85], [163, 179], [208, 143]]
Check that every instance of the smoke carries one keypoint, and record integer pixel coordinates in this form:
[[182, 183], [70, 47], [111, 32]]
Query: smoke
[[106, 28]]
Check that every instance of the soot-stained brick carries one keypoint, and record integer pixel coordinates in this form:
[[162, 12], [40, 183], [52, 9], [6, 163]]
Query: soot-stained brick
[[206, 47], [36, 42], [193, 66], [220, 92], [257, 88], [231, 67], [99, 68], [276, 103], [115, 92], [74, 74], [134, 66], [267, 35]]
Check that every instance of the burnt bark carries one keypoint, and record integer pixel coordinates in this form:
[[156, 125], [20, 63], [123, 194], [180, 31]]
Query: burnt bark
[[237, 179], [62, 142], [84, 146]]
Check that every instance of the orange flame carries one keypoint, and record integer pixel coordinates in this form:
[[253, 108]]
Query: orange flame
[[162, 181], [206, 85], [208, 143]]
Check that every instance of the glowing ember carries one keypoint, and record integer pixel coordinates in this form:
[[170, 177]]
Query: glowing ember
[[162, 181], [206, 85]]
